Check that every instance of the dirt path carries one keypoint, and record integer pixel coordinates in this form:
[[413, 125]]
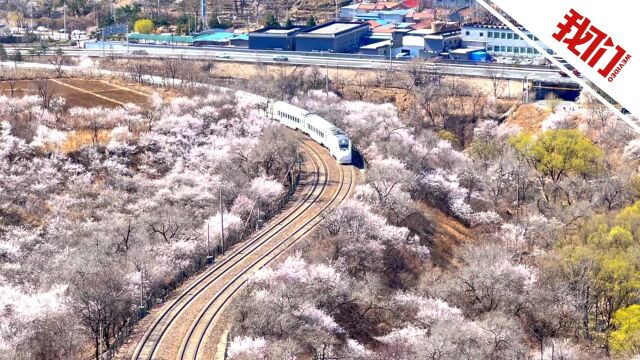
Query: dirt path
[[445, 233]]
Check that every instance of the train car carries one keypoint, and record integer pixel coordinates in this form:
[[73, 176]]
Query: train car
[[288, 115], [316, 127]]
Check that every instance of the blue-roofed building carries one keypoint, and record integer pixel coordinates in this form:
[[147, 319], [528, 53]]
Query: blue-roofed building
[[388, 16], [377, 48], [164, 39], [349, 12], [404, 25], [240, 41], [394, 16], [368, 16], [218, 38]]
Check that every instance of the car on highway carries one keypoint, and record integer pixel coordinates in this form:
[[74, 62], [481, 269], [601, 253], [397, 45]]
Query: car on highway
[[139, 52], [280, 58], [223, 56], [574, 71]]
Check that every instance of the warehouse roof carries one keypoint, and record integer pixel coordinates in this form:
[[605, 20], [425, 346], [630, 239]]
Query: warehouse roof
[[241, 37], [215, 37], [276, 32], [377, 45], [334, 28], [164, 38]]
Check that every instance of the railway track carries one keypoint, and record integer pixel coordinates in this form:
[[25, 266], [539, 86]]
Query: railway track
[[200, 342], [181, 327]]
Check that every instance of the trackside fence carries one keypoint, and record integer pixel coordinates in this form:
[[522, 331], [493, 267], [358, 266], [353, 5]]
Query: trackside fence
[[158, 296]]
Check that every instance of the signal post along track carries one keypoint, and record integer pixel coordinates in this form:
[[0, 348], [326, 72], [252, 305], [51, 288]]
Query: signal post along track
[[187, 327]]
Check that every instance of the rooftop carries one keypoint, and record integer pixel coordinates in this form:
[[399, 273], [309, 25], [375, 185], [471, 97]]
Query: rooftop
[[468, 50], [491, 26], [334, 28], [352, 6], [281, 31], [167, 38], [377, 45], [219, 36], [382, 5]]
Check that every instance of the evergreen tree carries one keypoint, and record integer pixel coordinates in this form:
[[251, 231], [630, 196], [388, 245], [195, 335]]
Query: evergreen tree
[[17, 57], [311, 21], [3, 53], [214, 23], [272, 21], [288, 24]]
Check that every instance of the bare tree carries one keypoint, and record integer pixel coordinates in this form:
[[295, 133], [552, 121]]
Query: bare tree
[[57, 60], [495, 77], [44, 91], [100, 300]]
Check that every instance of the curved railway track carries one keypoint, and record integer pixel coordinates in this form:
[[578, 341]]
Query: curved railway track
[[193, 346], [181, 327]]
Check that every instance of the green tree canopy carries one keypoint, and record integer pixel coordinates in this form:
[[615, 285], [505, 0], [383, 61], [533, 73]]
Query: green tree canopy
[[272, 21], [311, 21], [558, 153], [599, 265], [216, 23], [288, 23], [3, 53], [625, 340], [144, 26]]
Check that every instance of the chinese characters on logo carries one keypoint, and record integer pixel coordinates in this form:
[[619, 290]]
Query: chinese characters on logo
[[594, 44]]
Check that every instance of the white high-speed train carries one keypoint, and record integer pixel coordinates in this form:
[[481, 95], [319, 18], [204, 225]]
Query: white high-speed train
[[319, 129]]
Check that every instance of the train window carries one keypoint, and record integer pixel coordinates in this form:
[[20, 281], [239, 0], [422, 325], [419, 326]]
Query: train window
[[344, 144]]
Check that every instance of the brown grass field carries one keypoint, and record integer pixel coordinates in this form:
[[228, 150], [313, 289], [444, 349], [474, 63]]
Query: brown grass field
[[80, 92]]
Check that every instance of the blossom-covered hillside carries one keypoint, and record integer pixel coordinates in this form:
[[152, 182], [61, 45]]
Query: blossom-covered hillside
[[105, 210]]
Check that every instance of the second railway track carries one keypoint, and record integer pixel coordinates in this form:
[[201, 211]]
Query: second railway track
[[180, 329], [200, 343]]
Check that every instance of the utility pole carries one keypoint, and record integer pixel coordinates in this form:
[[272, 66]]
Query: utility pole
[[99, 339], [141, 288], [391, 55], [103, 43], [221, 221], [64, 20], [326, 81], [203, 14]]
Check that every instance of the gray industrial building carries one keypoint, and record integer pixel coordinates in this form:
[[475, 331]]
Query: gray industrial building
[[273, 38], [499, 40], [335, 36], [427, 43]]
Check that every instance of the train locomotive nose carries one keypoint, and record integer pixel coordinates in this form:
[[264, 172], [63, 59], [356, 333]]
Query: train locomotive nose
[[344, 157]]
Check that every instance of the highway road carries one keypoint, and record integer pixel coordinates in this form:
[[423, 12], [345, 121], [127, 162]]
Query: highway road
[[351, 61]]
